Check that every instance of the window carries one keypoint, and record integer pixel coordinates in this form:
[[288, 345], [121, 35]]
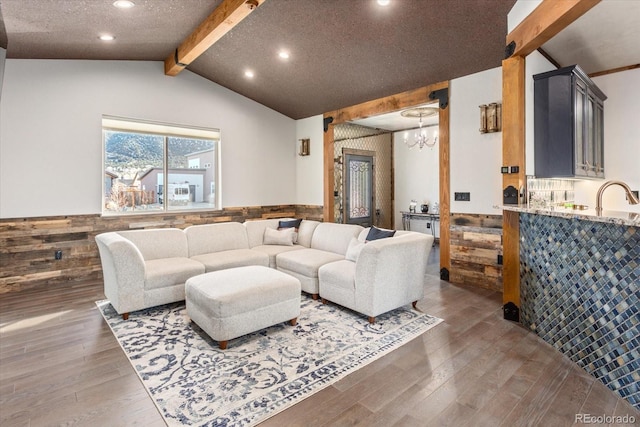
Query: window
[[155, 167]]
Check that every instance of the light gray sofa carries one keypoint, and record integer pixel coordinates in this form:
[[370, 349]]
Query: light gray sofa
[[328, 244], [388, 273], [145, 268]]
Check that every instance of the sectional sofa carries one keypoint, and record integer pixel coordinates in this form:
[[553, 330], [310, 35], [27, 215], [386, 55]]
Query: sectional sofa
[[146, 268]]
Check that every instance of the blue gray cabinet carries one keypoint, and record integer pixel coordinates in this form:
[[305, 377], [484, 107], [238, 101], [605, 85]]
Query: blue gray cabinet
[[568, 125]]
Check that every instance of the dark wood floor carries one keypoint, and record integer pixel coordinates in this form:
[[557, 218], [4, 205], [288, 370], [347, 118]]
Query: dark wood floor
[[60, 365]]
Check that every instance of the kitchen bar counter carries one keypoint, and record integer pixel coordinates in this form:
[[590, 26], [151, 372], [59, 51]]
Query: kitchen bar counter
[[609, 217], [580, 289]]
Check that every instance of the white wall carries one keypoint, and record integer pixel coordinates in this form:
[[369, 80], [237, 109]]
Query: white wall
[[416, 177], [535, 64], [309, 169], [520, 10], [51, 143], [476, 158], [621, 141]]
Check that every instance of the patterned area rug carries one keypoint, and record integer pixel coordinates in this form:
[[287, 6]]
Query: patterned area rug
[[194, 383]]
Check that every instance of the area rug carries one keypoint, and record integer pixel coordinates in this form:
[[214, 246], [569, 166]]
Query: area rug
[[194, 383]]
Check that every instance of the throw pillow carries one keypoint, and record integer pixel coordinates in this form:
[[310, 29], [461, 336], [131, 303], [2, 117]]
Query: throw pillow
[[278, 237], [292, 223], [376, 233], [354, 249], [295, 223]]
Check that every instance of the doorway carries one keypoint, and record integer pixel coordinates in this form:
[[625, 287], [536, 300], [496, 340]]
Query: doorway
[[359, 182], [333, 120]]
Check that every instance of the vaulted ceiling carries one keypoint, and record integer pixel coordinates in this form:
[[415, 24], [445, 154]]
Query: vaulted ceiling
[[342, 52]]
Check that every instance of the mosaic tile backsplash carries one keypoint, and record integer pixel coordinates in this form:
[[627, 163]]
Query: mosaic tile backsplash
[[579, 285]]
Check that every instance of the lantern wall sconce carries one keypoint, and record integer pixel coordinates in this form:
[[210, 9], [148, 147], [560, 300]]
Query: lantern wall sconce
[[304, 149], [490, 117]]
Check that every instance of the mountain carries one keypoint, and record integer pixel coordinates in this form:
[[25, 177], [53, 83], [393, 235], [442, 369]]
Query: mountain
[[140, 151]]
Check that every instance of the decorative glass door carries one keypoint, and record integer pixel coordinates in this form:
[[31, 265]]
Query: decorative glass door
[[358, 187]]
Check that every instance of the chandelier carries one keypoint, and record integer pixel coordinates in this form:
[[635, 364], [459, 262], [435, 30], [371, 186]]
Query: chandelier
[[420, 139]]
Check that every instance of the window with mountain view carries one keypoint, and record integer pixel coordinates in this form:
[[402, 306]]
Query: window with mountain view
[[154, 167]]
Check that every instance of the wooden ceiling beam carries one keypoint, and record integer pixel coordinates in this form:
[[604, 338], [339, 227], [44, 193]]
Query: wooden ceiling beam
[[226, 16], [546, 20]]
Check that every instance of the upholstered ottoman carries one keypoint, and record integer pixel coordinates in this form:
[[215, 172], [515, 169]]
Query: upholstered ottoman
[[230, 303]]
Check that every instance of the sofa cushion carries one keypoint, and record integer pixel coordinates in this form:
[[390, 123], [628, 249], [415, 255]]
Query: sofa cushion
[[209, 238], [305, 261], [354, 249], [273, 250], [338, 282], [305, 232], [255, 230], [174, 242], [333, 237], [376, 233], [279, 237], [165, 272], [233, 258]]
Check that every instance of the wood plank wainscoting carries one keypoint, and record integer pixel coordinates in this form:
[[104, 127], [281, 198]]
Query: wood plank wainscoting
[[476, 242], [28, 245]]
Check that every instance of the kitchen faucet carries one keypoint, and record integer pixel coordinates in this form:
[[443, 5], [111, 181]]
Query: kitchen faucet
[[633, 200]]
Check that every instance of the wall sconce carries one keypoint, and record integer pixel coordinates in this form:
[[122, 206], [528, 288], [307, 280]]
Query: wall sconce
[[305, 148], [490, 117]]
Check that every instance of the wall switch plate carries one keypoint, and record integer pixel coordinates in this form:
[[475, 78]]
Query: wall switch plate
[[462, 197], [58, 255]]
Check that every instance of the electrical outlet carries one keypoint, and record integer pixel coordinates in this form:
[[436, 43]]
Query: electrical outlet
[[58, 254], [462, 197], [428, 225]]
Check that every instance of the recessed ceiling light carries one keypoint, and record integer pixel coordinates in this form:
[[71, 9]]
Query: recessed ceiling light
[[384, 2], [123, 4], [283, 54], [107, 37], [248, 74]]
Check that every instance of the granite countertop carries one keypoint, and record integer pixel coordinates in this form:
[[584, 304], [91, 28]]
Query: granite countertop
[[610, 217]]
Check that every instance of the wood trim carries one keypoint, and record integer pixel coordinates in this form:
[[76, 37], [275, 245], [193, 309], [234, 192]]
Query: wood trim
[[444, 152], [511, 257], [386, 105], [513, 118], [615, 70], [513, 154], [546, 20], [549, 57], [226, 16], [329, 177]]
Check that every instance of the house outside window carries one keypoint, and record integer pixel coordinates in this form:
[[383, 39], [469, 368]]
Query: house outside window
[[155, 167]]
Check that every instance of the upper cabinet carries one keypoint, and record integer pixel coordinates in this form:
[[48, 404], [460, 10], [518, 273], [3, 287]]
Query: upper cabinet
[[568, 125]]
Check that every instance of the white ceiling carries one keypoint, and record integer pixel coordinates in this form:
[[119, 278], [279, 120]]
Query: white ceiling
[[605, 38]]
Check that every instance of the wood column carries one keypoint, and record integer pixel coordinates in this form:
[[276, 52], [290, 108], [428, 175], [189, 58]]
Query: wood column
[[547, 20], [513, 154], [445, 199]]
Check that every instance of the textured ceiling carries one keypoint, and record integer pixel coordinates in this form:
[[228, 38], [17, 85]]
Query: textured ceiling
[[343, 52]]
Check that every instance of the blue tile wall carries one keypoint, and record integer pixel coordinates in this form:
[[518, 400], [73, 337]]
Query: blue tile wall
[[579, 292]]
